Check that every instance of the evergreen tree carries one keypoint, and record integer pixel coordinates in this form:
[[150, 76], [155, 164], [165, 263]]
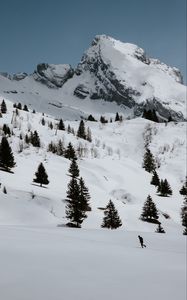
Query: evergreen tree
[[164, 188], [3, 107], [149, 211], [74, 169], [41, 175], [117, 117], [184, 215], [103, 120], [60, 148], [1, 115], [150, 115], [69, 129], [70, 152], [4, 190], [149, 161], [155, 179], [91, 118], [160, 229], [6, 155], [50, 125], [27, 139], [35, 140], [19, 106], [81, 133], [84, 196], [183, 190], [61, 125], [6, 130], [25, 108], [43, 121], [111, 219], [89, 135], [74, 211]]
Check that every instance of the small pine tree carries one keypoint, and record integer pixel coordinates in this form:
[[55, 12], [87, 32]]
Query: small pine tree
[[74, 211], [160, 229], [19, 106], [81, 133], [60, 148], [74, 169], [184, 215], [111, 219], [41, 175], [61, 125], [149, 161], [155, 179], [3, 107], [50, 125], [25, 108], [84, 196], [149, 211], [70, 152], [183, 190], [89, 135], [6, 155], [27, 139], [6, 130], [4, 190], [164, 188], [43, 121], [117, 117], [91, 118], [69, 129], [35, 140]]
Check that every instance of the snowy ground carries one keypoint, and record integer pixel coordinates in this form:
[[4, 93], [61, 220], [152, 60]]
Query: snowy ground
[[42, 261], [59, 263]]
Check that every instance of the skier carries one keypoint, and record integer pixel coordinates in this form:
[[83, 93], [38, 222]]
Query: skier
[[141, 241]]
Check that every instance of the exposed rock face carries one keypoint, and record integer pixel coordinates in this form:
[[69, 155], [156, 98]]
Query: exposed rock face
[[115, 72], [122, 72], [54, 76]]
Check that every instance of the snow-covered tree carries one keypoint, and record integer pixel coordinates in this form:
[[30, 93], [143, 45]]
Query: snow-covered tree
[[183, 190], [70, 152], [61, 125], [3, 107], [111, 218]]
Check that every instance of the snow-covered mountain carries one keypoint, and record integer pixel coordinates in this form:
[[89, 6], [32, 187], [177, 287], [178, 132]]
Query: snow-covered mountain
[[112, 76]]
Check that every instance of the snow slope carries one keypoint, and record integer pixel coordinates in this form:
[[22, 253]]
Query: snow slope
[[57, 263], [111, 167]]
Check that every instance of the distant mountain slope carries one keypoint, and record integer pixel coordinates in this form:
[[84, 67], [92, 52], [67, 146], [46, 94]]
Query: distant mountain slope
[[118, 73]]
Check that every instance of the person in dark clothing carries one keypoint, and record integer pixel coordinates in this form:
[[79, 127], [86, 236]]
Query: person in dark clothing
[[141, 241]]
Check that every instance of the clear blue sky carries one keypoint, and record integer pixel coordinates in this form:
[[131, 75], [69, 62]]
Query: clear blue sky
[[58, 31]]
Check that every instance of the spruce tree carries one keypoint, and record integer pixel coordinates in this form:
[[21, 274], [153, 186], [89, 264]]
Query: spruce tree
[[117, 117], [35, 140], [155, 179], [89, 135], [3, 107], [74, 211], [74, 169], [6, 155], [60, 148], [149, 211], [81, 133], [149, 161], [160, 229], [111, 219], [25, 108], [4, 190], [164, 188], [84, 196], [41, 175], [183, 190], [70, 152], [43, 121], [184, 215], [61, 125]]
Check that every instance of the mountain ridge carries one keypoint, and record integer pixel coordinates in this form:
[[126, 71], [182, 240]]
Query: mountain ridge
[[115, 72]]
